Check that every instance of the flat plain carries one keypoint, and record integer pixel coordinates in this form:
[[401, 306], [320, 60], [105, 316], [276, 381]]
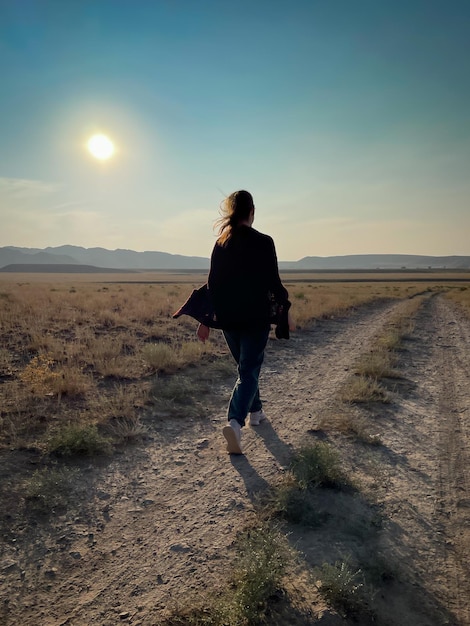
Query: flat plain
[[121, 505]]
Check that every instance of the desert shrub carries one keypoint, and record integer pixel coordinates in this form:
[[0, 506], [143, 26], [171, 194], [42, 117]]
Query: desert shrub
[[50, 489], [160, 357], [39, 375], [76, 439], [259, 568], [190, 352], [318, 466], [70, 381], [377, 364], [362, 389], [343, 588], [292, 503], [390, 339], [262, 559], [44, 378], [126, 428]]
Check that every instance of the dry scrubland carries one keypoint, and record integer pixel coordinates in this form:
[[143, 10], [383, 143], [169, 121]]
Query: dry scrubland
[[80, 361], [86, 368]]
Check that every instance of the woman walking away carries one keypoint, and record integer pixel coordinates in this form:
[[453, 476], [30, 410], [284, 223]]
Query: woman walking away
[[243, 282]]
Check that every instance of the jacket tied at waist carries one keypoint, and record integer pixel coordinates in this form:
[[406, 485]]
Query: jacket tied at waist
[[199, 306]]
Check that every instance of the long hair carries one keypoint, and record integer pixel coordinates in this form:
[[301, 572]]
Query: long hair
[[234, 209]]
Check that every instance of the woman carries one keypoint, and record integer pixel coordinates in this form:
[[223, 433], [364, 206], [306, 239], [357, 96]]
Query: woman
[[243, 280]]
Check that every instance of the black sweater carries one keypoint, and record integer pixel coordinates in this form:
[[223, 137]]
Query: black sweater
[[243, 277]]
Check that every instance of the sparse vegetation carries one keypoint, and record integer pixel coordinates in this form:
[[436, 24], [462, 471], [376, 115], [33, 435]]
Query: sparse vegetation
[[260, 564], [62, 342], [460, 295], [343, 587], [126, 429], [378, 364], [361, 389], [292, 503], [76, 439], [162, 357], [351, 423], [51, 489], [318, 465], [179, 395]]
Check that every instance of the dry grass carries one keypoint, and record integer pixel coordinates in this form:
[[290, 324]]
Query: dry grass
[[51, 489], [350, 423], [361, 389], [67, 343], [63, 343], [320, 301], [461, 295], [126, 429], [378, 364]]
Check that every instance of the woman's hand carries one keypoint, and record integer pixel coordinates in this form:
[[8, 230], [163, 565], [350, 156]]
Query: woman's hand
[[203, 332]]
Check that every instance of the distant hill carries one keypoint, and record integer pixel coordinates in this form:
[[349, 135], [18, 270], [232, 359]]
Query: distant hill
[[59, 268], [378, 261], [11, 255], [132, 260], [100, 257]]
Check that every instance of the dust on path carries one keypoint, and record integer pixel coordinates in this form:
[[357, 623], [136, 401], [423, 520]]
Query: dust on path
[[167, 512]]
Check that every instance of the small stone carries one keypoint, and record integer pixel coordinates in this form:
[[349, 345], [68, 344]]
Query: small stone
[[51, 573], [178, 547], [124, 615], [75, 555], [148, 502]]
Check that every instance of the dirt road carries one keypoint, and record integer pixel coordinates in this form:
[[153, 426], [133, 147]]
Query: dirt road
[[162, 516]]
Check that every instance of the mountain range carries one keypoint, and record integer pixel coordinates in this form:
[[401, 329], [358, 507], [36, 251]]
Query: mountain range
[[150, 260]]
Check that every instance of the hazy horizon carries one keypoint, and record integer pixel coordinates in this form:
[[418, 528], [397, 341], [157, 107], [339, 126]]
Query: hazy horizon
[[207, 257], [348, 123]]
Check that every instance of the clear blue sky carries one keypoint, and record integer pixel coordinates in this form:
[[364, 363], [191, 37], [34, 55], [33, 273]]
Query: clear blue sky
[[348, 121]]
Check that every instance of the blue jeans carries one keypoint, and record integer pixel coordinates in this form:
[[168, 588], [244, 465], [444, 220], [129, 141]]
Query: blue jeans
[[247, 348]]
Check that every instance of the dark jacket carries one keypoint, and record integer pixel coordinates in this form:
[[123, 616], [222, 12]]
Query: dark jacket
[[244, 280], [199, 306]]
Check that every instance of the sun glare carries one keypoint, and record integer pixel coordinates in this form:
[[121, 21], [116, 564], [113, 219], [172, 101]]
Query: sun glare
[[101, 147]]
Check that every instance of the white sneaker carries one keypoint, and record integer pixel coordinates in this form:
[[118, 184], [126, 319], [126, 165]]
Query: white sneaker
[[233, 435], [257, 417]]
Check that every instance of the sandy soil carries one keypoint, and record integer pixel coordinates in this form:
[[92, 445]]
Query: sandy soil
[[160, 517]]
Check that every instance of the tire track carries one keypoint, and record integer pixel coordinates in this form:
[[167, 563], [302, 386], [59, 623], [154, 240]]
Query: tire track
[[428, 442]]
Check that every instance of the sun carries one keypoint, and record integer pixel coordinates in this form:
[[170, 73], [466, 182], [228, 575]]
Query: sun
[[101, 147]]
